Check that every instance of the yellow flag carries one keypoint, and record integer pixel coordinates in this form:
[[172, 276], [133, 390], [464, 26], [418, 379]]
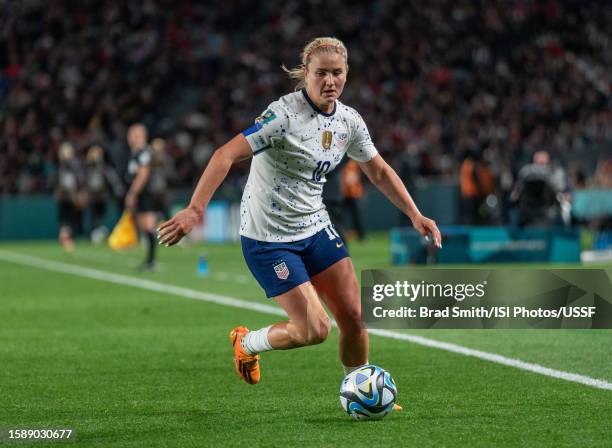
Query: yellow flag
[[124, 234]]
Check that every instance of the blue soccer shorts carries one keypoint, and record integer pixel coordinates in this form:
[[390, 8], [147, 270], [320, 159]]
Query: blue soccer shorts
[[280, 267]]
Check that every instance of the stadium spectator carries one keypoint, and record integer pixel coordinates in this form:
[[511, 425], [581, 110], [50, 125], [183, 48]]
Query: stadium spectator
[[352, 191], [536, 191], [603, 175], [101, 185], [477, 183], [470, 191], [69, 195]]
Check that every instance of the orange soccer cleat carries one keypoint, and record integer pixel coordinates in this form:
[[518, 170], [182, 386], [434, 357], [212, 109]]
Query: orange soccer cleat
[[247, 366]]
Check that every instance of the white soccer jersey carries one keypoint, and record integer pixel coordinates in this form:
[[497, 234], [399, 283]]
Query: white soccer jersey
[[294, 146]]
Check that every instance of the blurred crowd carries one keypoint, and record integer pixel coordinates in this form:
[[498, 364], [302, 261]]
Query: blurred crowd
[[457, 89]]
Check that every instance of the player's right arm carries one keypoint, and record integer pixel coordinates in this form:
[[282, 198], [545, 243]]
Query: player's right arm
[[236, 150]]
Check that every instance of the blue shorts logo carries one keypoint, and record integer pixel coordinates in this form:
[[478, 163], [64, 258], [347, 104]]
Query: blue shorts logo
[[282, 271]]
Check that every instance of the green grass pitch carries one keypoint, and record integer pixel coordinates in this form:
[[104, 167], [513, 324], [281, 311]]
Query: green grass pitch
[[125, 366]]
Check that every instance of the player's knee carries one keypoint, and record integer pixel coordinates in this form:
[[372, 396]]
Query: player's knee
[[314, 332], [300, 336], [323, 329]]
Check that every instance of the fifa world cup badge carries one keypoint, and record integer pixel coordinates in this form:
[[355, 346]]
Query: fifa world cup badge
[[267, 117], [326, 139]]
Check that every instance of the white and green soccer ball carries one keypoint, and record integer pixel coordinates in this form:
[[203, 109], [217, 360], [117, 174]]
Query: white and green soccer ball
[[368, 393]]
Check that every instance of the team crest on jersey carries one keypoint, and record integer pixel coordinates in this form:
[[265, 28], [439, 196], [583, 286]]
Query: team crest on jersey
[[282, 271], [266, 117], [326, 139], [342, 139]]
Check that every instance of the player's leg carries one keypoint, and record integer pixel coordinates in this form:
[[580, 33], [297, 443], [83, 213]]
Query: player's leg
[[279, 269], [146, 223], [308, 322], [66, 221], [98, 212], [338, 287], [333, 276]]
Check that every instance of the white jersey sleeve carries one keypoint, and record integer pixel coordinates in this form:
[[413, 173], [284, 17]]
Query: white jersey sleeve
[[360, 146], [272, 125]]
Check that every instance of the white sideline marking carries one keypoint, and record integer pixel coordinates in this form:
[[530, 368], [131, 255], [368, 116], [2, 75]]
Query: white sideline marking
[[95, 274], [499, 359], [131, 262], [58, 266]]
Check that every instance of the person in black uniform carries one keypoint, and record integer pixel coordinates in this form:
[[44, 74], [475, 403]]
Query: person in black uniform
[[101, 181], [138, 198], [68, 192]]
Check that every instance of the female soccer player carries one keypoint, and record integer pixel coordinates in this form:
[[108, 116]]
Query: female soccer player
[[287, 238]]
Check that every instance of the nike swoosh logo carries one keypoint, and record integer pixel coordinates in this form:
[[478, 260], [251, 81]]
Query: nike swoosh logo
[[339, 245], [302, 139]]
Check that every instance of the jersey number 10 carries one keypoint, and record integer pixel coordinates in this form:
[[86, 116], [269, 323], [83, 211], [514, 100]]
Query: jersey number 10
[[320, 170]]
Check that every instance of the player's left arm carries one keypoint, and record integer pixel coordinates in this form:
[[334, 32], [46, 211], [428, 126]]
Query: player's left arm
[[389, 183]]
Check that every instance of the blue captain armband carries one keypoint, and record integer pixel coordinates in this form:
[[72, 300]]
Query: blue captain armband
[[256, 127], [257, 142], [266, 117], [260, 141]]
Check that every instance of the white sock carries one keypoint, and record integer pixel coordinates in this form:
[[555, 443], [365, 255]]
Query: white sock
[[349, 369], [256, 341]]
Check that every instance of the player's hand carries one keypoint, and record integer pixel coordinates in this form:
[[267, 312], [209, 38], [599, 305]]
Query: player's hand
[[172, 231], [428, 228]]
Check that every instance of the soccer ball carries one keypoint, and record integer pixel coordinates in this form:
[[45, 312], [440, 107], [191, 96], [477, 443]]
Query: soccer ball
[[368, 393]]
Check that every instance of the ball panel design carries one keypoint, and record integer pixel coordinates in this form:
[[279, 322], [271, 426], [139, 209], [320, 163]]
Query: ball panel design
[[368, 393], [344, 403]]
